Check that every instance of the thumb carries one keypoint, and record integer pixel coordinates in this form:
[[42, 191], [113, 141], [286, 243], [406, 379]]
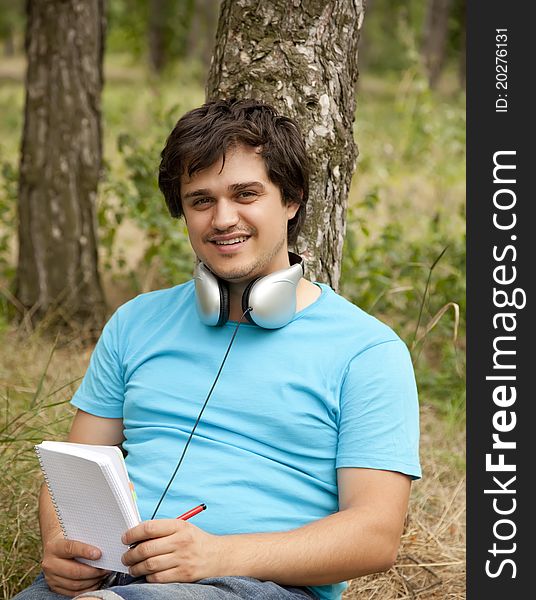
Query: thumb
[[75, 549]]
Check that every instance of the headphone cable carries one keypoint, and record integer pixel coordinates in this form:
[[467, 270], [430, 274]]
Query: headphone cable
[[200, 414]]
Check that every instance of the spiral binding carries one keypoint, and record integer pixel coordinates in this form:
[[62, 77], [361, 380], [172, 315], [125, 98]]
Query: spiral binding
[[52, 497]]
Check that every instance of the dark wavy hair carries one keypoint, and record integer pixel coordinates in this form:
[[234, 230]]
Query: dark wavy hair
[[203, 135]]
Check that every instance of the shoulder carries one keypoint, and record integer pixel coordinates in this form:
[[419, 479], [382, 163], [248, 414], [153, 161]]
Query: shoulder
[[151, 304], [153, 307], [351, 325]]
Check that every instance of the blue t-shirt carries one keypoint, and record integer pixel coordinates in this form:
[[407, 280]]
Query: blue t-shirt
[[333, 388]]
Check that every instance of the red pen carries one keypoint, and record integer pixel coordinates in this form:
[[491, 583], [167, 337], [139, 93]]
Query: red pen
[[192, 512]]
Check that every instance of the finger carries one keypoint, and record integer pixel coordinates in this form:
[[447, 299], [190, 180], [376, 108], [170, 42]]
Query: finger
[[167, 576], [69, 587], [154, 564], [71, 569], [151, 529], [75, 549], [147, 549]]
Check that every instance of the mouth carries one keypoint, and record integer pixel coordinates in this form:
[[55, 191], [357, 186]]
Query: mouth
[[229, 244]]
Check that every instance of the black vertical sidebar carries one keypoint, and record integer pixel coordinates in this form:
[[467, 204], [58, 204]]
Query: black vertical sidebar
[[501, 362]]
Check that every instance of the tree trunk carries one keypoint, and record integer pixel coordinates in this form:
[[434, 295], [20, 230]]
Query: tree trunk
[[202, 30], [9, 44], [60, 162], [435, 38], [157, 34], [301, 56], [463, 45]]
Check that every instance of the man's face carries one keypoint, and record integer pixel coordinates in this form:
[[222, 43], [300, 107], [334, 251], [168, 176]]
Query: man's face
[[236, 220]]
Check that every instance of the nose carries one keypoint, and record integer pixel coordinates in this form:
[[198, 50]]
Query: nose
[[225, 215]]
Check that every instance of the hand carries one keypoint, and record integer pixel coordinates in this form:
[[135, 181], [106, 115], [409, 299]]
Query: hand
[[65, 575], [171, 550]]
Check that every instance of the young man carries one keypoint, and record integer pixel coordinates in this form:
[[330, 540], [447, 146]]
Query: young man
[[305, 452]]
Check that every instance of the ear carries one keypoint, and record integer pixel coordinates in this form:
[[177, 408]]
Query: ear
[[292, 209]]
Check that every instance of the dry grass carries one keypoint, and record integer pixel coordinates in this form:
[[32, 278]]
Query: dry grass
[[35, 387]]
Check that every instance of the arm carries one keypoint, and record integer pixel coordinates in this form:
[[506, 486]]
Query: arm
[[361, 538], [62, 573]]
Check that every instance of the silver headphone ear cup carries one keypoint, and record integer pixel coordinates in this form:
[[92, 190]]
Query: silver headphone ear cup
[[211, 298], [272, 298]]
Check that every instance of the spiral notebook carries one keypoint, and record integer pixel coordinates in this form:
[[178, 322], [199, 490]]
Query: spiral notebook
[[92, 496]]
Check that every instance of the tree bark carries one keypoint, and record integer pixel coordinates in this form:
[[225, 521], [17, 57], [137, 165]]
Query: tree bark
[[435, 38], [60, 162], [301, 57]]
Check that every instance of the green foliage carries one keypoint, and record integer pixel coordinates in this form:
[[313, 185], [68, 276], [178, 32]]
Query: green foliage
[[11, 98], [387, 272], [129, 23], [404, 253], [127, 27], [11, 109], [392, 31], [8, 227], [457, 22], [11, 18], [8, 203], [137, 198], [393, 34]]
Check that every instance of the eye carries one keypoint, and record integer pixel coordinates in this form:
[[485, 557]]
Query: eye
[[201, 202], [246, 195]]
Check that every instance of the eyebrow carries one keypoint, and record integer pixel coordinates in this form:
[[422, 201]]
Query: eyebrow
[[234, 187]]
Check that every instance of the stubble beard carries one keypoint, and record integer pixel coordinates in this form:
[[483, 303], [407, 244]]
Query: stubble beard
[[246, 273]]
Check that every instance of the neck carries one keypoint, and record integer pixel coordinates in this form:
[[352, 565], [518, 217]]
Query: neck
[[235, 299]]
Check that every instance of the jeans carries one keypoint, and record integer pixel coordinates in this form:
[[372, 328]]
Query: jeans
[[214, 588]]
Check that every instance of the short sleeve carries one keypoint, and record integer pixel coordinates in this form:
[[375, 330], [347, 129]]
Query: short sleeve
[[379, 412], [102, 390]]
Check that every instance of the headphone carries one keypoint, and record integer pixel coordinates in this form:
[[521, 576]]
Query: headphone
[[269, 301]]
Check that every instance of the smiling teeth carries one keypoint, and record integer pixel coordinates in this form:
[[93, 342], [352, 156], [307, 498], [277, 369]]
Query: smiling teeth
[[233, 241]]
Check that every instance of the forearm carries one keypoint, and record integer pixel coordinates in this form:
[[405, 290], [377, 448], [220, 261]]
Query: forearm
[[342, 546]]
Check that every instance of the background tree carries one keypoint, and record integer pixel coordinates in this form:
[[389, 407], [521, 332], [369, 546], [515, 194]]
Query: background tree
[[305, 63], [61, 161], [11, 21], [157, 34], [202, 30], [156, 30], [168, 26], [460, 27], [434, 46]]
